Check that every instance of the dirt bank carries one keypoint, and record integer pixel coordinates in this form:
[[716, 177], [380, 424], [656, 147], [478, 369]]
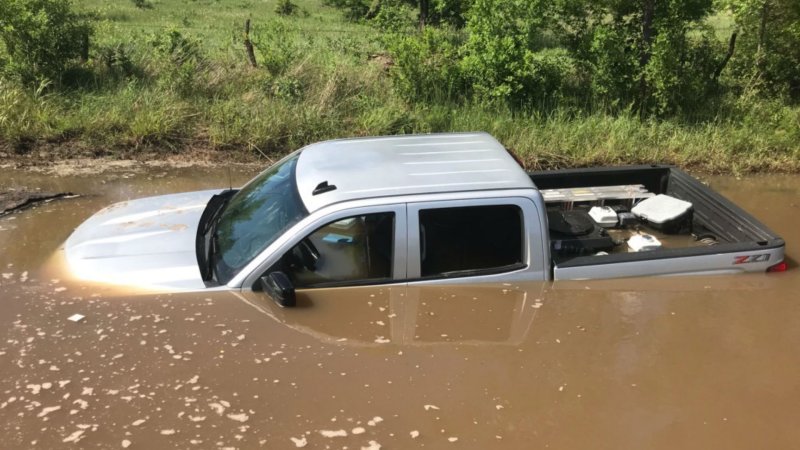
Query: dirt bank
[[69, 159]]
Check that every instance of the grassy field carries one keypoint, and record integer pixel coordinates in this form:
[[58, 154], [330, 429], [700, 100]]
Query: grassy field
[[173, 78]]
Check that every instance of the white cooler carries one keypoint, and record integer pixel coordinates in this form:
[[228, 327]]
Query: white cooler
[[664, 213]]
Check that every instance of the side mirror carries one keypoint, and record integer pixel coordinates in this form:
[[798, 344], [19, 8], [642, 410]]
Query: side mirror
[[280, 288]]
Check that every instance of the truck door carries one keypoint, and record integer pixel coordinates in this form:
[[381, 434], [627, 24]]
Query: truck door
[[348, 247], [485, 240]]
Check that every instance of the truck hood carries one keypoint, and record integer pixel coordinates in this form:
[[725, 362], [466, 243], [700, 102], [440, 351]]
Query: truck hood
[[149, 243]]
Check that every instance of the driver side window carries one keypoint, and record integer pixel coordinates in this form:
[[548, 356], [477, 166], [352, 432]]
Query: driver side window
[[347, 251]]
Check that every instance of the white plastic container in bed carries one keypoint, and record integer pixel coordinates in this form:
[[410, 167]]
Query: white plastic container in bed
[[604, 216], [664, 213], [643, 243]]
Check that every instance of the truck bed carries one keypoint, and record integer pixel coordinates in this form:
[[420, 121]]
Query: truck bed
[[738, 234]]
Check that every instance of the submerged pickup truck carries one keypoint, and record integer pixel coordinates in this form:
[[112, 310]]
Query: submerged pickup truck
[[421, 209]]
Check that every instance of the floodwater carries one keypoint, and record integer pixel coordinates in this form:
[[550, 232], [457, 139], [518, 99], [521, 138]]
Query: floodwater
[[660, 363]]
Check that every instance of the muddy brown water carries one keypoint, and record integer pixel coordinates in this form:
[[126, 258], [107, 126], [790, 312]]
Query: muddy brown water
[[659, 363]]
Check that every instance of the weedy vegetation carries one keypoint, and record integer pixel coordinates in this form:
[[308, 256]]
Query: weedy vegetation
[[705, 84]]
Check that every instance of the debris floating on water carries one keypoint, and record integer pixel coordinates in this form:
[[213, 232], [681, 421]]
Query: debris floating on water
[[17, 200], [47, 410], [74, 437], [76, 318], [300, 442], [333, 433], [242, 417]]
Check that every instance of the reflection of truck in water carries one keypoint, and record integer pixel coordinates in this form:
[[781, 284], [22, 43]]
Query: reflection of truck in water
[[427, 209], [486, 314], [424, 315]]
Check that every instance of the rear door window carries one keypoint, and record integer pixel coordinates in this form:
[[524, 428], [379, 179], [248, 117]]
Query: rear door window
[[471, 240]]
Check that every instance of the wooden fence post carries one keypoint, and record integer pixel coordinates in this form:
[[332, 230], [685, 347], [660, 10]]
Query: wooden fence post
[[248, 46]]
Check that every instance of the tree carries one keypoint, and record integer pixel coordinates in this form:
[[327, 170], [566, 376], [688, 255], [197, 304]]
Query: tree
[[646, 53], [501, 34], [768, 51]]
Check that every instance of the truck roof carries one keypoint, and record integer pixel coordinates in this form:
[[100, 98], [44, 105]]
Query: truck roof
[[363, 168]]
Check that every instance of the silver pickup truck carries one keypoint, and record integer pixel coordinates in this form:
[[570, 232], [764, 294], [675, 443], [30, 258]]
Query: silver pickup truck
[[420, 209]]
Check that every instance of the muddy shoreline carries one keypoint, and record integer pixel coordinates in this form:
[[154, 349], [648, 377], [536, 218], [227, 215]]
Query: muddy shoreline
[[61, 166], [60, 159]]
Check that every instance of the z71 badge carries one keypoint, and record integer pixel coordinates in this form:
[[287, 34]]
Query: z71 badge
[[750, 259]]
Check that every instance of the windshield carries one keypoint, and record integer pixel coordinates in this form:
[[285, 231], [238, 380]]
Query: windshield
[[256, 216]]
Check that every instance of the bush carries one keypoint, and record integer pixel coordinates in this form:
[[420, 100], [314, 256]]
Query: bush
[[767, 56], [452, 12], [394, 18], [502, 34], [353, 9], [550, 78], [614, 68], [277, 45], [142, 4], [426, 65], [183, 63], [116, 59], [180, 49], [285, 8], [42, 38], [680, 72]]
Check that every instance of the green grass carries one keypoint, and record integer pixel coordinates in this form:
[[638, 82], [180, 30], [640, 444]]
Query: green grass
[[321, 84], [219, 23]]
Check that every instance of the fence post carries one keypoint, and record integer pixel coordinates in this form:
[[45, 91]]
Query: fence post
[[248, 46]]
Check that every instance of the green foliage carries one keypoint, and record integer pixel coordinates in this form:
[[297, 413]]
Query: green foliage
[[394, 17], [287, 88], [552, 78], [500, 35], [768, 49], [181, 60], [142, 4], [679, 74], [42, 38], [450, 12], [22, 112], [505, 56], [285, 8], [657, 57], [277, 44], [426, 64], [116, 58], [614, 68], [439, 12], [177, 47], [353, 9]]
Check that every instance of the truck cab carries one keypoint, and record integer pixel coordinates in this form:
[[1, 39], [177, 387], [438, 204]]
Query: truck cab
[[412, 209]]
